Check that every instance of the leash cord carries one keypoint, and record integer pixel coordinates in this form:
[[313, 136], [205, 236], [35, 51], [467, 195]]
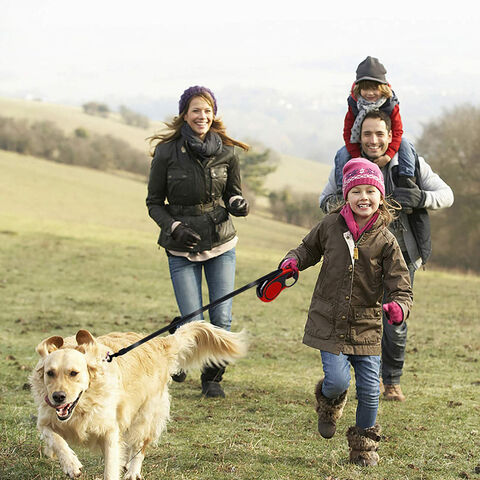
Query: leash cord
[[177, 321]]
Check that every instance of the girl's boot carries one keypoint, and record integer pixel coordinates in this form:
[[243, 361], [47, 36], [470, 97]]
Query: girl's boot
[[363, 445], [329, 411]]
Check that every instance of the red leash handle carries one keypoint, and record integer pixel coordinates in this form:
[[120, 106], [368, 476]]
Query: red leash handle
[[270, 289]]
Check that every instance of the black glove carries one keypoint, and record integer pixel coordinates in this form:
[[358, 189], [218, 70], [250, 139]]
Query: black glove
[[239, 207], [185, 236], [410, 197]]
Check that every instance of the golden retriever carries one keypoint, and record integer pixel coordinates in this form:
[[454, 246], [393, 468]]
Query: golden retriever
[[120, 406]]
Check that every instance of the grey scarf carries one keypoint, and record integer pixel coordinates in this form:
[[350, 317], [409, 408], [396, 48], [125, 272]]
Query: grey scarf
[[363, 108], [212, 145]]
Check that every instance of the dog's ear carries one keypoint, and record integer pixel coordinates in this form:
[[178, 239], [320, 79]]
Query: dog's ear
[[85, 337], [49, 345]]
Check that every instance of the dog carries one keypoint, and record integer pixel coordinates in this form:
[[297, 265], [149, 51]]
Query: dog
[[120, 406]]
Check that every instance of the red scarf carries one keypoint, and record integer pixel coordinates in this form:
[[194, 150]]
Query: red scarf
[[347, 214]]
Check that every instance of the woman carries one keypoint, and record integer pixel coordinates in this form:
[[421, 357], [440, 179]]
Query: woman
[[196, 169]]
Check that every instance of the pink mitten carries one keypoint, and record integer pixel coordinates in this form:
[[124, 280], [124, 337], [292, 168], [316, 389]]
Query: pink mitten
[[394, 313], [289, 263]]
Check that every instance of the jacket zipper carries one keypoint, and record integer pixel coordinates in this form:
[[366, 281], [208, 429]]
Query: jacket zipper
[[355, 258]]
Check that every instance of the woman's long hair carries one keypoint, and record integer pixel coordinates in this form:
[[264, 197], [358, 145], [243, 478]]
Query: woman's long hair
[[174, 128]]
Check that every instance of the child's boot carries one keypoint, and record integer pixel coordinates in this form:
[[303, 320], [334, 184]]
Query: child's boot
[[363, 445], [329, 411]]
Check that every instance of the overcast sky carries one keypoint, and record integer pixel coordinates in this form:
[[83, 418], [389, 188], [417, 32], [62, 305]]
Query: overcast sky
[[65, 51]]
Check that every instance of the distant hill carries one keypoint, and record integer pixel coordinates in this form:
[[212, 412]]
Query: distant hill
[[69, 118], [299, 174]]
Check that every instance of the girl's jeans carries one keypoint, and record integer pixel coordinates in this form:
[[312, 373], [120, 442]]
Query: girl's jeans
[[187, 284], [337, 379]]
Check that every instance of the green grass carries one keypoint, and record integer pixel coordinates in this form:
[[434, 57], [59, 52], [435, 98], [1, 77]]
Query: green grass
[[78, 251]]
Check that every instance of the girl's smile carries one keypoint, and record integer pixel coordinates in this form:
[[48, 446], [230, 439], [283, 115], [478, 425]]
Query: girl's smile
[[370, 94], [364, 201]]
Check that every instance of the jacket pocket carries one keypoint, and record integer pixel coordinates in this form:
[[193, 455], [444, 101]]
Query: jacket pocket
[[218, 177], [223, 225], [179, 185], [320, 323], [366, 327]]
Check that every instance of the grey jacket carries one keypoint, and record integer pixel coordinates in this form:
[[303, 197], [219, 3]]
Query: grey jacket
[[437, 195]]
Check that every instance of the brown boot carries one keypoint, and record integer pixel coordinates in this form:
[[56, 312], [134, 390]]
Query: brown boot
[[363, 445], [393, 393], [329, 411]]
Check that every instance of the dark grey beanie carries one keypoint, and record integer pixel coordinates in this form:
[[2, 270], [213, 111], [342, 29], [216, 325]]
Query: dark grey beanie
[[371, 69]]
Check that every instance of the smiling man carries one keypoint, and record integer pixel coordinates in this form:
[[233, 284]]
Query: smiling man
[[411, 229]]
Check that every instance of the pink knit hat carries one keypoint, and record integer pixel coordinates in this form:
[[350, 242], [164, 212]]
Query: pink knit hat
[[360, 171]]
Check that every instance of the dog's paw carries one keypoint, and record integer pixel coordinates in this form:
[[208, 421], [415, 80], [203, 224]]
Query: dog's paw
[[132, 476], [72, 467], [133, 472]]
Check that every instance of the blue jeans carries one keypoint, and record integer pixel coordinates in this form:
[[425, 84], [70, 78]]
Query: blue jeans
[[187, 284], [394, 342], [337, 379], [406, 161]]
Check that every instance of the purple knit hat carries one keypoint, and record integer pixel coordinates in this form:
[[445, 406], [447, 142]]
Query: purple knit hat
[[192, 92], [360, 171]]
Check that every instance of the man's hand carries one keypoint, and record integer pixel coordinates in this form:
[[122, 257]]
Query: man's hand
[[185, 236], [382, 161], [410, 197]]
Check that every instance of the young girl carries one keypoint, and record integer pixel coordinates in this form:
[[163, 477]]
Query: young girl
[[361, 260], [371, 91]]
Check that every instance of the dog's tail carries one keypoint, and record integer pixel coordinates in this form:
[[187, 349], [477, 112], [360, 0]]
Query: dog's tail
[[200, 343]]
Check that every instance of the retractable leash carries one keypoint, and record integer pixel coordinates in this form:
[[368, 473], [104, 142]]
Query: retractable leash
[[268, 288]]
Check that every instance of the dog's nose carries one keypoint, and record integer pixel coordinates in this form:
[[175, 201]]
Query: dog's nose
[[59, 397]]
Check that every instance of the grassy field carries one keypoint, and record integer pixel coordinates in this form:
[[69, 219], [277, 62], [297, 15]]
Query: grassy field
[[78, 251]]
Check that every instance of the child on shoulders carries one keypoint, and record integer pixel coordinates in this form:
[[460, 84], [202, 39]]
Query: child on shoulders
[[371, 91]]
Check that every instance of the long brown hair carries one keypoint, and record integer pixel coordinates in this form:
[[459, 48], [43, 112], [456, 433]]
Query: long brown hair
[[174, 128]]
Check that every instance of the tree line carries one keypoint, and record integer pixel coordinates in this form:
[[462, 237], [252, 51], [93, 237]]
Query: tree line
[[451, 145], [128, 116], [83, 148]]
